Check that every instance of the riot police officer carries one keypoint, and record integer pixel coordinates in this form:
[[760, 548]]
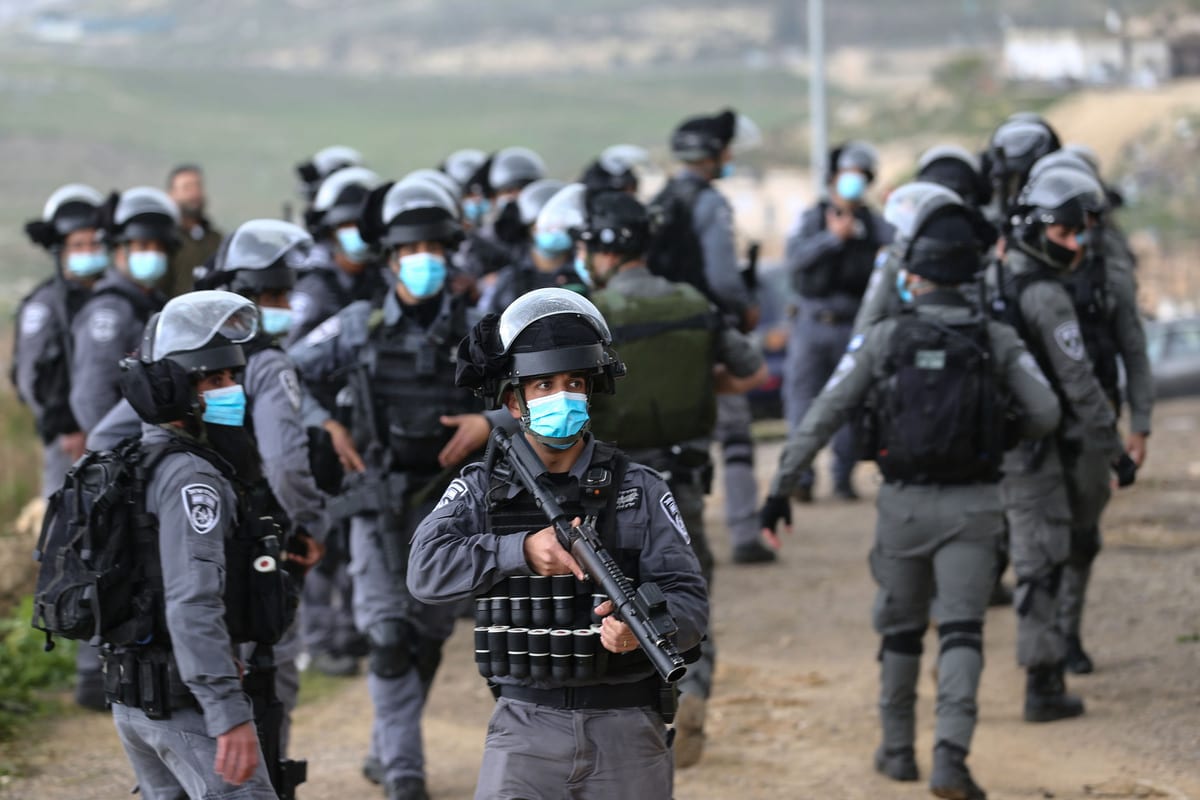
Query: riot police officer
[[325, 162], [341, 267], [590, 723], [468, 168], [614, 170], [1015, 145], [1050, 217], [830, 256], [412, 426], [927, 380], [178, 705], [141, 226]]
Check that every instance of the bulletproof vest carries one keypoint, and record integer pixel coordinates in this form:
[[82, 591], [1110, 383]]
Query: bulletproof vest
[[1088, 287], [1008, 310], [674, 251], [935, 417], [411, 373], [542, 627], [847, 271], [52, 367], [663, 401], [368, 285]]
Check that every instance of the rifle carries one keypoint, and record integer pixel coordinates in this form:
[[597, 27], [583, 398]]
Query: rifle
[[259, 685], [644, 610]]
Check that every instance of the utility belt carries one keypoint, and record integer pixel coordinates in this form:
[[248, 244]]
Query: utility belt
[[648, 693], [146, 679], [923, 480], [679, 466]]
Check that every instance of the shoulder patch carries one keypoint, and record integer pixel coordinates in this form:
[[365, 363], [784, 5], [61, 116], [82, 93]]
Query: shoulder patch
[[327, 330], [291, 387], [1029, 364], [629, 498], [671, 508], [104, 324], [33, 318], [202, 505], [856, 343], [844, 367], [1070, 340], [456, 489]]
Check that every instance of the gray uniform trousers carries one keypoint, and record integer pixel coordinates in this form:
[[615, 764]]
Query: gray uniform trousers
[[173, 758], [1039, 530], [813, 352], [737, 458], [326, 613], [612, 754], [381, 595], [934, 553], [1089, 488]]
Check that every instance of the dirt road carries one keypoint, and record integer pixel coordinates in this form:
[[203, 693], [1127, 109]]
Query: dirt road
[[794, 716]]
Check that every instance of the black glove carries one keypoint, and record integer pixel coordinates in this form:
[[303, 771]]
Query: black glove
[[1126, 469], [777, 507]]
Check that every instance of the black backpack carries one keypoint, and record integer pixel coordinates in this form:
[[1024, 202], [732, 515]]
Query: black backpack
[[674, 251], [937, 417]]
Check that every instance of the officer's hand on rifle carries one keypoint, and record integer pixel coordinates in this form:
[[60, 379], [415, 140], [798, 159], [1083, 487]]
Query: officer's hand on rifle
[[776, 508], [840, 223], [616, 636], [237, 754], [1126, 469], [471, 434], [343, 445], [546, 556], [750, 318], [1135, 445], [304, 551], [73, 444]]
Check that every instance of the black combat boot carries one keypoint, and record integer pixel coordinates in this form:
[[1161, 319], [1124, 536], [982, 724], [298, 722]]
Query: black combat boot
[[372, 770], [407, 789], [1078, 661], [1046, 697], [950, 777], [899, 764]]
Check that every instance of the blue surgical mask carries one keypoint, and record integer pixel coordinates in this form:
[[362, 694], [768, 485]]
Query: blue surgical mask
[[476, 210], [85, 265], [552, 243], [352, 244], [423, 274], [147, 266], [559, 417], [276, 321], [851, 185], [581, 270], [902, 286], [225, 406], [727, 170]]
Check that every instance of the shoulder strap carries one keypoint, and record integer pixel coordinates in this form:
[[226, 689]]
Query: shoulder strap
[[605, 477]]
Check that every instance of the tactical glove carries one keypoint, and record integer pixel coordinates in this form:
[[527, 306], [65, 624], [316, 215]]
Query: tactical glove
[[1126, 469], [776, 508]]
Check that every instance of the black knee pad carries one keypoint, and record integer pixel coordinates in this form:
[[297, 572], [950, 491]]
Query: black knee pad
[[428, 657], [391, 642], [909, 643], [967, 633]]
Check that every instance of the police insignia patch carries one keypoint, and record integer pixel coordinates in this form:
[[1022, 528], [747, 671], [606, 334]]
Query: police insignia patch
[[33, 318], [456, 489], [855, 343], [844, 367], [202, 505], [630, 498], [1070, 340], [672, 510], [103, 325], [291, 387]]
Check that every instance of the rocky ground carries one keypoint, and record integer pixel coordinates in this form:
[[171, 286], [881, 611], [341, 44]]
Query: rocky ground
[[793, 714]]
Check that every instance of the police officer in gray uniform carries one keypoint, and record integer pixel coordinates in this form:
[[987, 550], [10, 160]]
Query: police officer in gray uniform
[[1043, 247], [325, 162], [142, 228], [830, 256], [206, 744], [589, 724], [548, 262], [405, 411], [706, 145], [927, 380], [69, 231]]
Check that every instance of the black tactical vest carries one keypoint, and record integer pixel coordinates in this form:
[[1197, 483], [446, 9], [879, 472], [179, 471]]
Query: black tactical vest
[[1089, 294], [847, 271], [52, 367]]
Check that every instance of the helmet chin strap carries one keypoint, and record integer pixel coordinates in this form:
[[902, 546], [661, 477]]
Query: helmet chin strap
[[554, 442]]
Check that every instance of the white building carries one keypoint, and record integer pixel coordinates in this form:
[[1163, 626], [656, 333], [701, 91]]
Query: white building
[[1057, 55]]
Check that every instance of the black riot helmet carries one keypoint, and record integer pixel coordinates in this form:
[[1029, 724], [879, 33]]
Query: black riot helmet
[[461, 165], [143, 213], [543, 332], [324, 163], [70, 208], [617, 223], [1068, 159], [195, 334], [411, 210], [947, 240], [1058, 196], [340, 199], [257, 258], [514, 168], [854, 155], [1015, 146], [958, 170], [613, 170]]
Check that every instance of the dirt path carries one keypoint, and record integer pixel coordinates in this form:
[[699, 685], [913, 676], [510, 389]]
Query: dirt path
[[794, 716]]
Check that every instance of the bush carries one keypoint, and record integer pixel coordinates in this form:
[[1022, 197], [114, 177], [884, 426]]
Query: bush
[[28, 674]]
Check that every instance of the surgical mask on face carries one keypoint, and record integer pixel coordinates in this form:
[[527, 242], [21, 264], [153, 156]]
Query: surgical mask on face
[[225, 406], [276, 321], [851, 185], [147, 266], [581, 269], [423, 274], [476, 209], [906, 296], [552, 243], [352, 244], [85, 265], [727, 170], [559, 416]]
